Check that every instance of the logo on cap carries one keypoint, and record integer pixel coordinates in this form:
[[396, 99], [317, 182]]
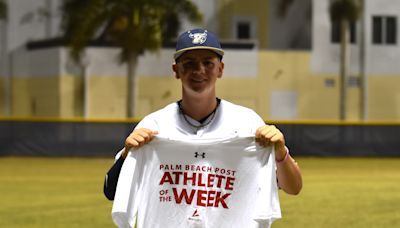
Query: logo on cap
[[198, 38]]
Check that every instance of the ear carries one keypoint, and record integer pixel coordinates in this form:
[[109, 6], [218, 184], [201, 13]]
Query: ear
[[175, 70], [221, 69]]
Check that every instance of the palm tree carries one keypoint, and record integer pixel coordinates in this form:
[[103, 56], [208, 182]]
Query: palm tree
[[3, 44], [133, 25], [343, 12], [3, 10]]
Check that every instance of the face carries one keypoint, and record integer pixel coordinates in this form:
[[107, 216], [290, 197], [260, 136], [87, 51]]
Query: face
[[198, 71]]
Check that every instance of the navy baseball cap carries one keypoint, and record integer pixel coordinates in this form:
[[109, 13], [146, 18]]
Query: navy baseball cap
[[198, 39]]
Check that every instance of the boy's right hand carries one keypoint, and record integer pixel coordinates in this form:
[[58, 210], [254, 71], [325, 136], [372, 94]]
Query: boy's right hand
[[138, 138]]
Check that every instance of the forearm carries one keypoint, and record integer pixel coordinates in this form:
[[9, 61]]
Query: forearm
[[289, 176]]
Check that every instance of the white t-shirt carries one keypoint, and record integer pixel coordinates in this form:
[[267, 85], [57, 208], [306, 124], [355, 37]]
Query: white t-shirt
[[195, 182], [229, 119]]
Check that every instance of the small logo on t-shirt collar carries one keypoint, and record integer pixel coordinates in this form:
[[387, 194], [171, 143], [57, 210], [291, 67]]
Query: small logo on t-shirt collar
[[197, 154]]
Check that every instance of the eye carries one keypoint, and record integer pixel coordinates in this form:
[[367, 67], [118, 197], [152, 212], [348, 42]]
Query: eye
[[188, 65], [208, 63]]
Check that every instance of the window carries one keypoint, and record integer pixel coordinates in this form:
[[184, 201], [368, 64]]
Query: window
[[329, 82], [243, 30], [353, 81], [244, 27], [384, 30], [391, 30], [335, 32]]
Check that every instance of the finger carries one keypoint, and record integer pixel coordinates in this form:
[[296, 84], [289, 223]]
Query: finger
[[271, 134], [260, 130], [130, 143], [147, 134], [142, 136], [139, 139], [149, 131], [272, 131], [278, 138], [267, 130], [264, 143], [260, 142], [265, 136], [145, 130]]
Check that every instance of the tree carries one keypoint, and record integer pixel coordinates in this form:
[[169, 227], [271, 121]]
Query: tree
[[343, 12], [133, 25], [3, 54], [3, 10]]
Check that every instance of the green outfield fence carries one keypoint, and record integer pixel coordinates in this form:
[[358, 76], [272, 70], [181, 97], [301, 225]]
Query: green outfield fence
[[82, 137]]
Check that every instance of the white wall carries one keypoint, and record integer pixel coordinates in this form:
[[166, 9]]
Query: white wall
[[104, 62], [381, 59], [294, 30], [27, 22], [325, 56], [210, 20], [36, 63]]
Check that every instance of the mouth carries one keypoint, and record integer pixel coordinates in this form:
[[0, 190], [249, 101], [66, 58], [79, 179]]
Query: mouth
[[197, 80]]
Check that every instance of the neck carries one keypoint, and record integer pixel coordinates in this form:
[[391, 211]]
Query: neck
[[199, 107]]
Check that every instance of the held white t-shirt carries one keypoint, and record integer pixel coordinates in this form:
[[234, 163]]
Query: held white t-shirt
[[229, 119], [228, 182]]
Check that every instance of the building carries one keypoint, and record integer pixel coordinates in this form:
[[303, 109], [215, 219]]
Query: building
[[275, 72], [380, 43]]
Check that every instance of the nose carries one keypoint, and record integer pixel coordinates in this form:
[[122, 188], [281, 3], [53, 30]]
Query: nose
[[199, 68]]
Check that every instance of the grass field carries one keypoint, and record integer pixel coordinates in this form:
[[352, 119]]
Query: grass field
[[67, 192]]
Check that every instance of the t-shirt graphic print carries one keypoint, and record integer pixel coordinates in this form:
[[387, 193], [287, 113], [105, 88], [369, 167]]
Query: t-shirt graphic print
[[228, 182]]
